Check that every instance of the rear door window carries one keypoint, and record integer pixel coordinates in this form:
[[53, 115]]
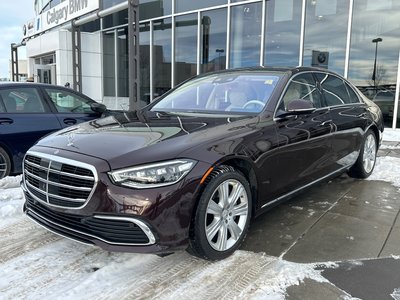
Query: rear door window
[[335, 90], [22, 100]]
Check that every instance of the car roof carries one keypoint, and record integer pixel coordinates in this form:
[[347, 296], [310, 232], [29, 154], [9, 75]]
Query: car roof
[[287, 70], [4, 84]]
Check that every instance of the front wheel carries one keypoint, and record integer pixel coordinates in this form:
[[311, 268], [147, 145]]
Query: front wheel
[[223, 215], [367, 158]]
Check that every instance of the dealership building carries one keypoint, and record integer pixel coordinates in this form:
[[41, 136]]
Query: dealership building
[[87, 42]]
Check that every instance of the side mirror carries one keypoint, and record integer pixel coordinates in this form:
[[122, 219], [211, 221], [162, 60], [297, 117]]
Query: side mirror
[[98, 107], [297, 107]]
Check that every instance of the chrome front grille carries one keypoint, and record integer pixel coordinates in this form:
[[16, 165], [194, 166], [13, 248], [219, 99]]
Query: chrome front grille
[[58, 181]]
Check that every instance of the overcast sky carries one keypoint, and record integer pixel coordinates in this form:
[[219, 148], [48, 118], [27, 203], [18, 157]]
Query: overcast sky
[[13, 15]]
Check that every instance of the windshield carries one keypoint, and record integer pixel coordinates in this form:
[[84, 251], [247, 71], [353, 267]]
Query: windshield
[[221, 93]]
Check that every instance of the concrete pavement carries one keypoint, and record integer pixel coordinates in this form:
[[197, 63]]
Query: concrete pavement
[[354, 223]]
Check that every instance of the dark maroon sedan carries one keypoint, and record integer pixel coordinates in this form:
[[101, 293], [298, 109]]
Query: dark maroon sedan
[[193, 168]]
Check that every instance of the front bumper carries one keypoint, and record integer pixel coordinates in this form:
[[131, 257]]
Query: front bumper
[[111, 232], [122, 219]]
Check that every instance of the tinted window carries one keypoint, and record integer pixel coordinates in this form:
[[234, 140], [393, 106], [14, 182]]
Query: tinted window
[[302, 87], [353, 96], [22, 100], [65, 101], [334, 89]]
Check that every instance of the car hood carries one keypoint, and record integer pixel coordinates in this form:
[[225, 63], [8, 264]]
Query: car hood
[[136, 138]]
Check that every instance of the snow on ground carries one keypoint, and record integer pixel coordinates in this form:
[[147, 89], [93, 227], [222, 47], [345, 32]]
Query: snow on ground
[[40, 264], [387, 169], [391, 135]]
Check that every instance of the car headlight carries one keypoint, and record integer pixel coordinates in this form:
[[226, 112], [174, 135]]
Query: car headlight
[[153, 175]]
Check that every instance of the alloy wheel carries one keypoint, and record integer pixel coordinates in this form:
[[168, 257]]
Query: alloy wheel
[[369, 155], [227, 213]]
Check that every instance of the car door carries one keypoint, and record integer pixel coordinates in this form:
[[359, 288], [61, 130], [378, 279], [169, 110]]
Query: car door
[[25, 119], [304, 152], [347, 113], [71, 107]]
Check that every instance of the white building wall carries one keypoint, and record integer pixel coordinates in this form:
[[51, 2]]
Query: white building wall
[[60, 43]]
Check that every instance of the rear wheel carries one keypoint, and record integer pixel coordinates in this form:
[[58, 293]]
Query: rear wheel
[[5, 163], [366, 160], [223, 215]]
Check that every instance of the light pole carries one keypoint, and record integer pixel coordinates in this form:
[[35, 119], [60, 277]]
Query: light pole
[[376, 41]]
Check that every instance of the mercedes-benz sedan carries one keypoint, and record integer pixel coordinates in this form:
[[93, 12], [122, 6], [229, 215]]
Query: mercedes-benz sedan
[[192, 169]]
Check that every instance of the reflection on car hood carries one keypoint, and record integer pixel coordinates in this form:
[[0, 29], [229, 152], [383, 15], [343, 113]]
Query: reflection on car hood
[[141, 138]]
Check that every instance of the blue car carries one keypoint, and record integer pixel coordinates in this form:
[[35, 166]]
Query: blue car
[[28, 111]]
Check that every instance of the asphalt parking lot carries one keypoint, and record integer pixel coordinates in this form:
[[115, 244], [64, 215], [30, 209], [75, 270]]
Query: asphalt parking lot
[[352, 223]]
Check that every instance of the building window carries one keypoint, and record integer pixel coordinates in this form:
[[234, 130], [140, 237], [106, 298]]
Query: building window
[[185, 47], [116, 19], [149, 9], [245, 39], [123, 62], [161, 56], [185, 5], [213, 40], [109, 63], [144, 40], [374, 52], [282, 33], [325, 34]]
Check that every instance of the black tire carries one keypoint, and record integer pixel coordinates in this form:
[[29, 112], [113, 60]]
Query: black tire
[[227, 221], [367, 158], [5, 163]]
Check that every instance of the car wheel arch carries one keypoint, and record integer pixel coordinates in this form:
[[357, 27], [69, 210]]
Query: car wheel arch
[[376, 131], [220, 174], [245, 167]]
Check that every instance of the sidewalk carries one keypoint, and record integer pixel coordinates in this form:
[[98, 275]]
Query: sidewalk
[[354, 223]]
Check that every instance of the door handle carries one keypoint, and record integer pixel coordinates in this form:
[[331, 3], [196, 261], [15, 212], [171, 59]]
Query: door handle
[[6, 121], [70, 121]]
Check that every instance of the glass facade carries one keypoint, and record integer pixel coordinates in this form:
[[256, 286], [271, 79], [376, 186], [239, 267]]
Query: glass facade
[[245, 38], [374, 52], [162, 56], [357, 39], [213, 40], [185, 47], [282, 32], [325, 34]]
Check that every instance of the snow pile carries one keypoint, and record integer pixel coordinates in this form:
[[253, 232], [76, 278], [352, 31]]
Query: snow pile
[[396, 294], [11, 197], [10, 182], [280, 275], [391, 135], [387, 169]]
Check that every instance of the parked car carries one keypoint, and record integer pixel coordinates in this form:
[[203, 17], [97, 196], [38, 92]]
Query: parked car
[[29, 111], [191, 170]]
